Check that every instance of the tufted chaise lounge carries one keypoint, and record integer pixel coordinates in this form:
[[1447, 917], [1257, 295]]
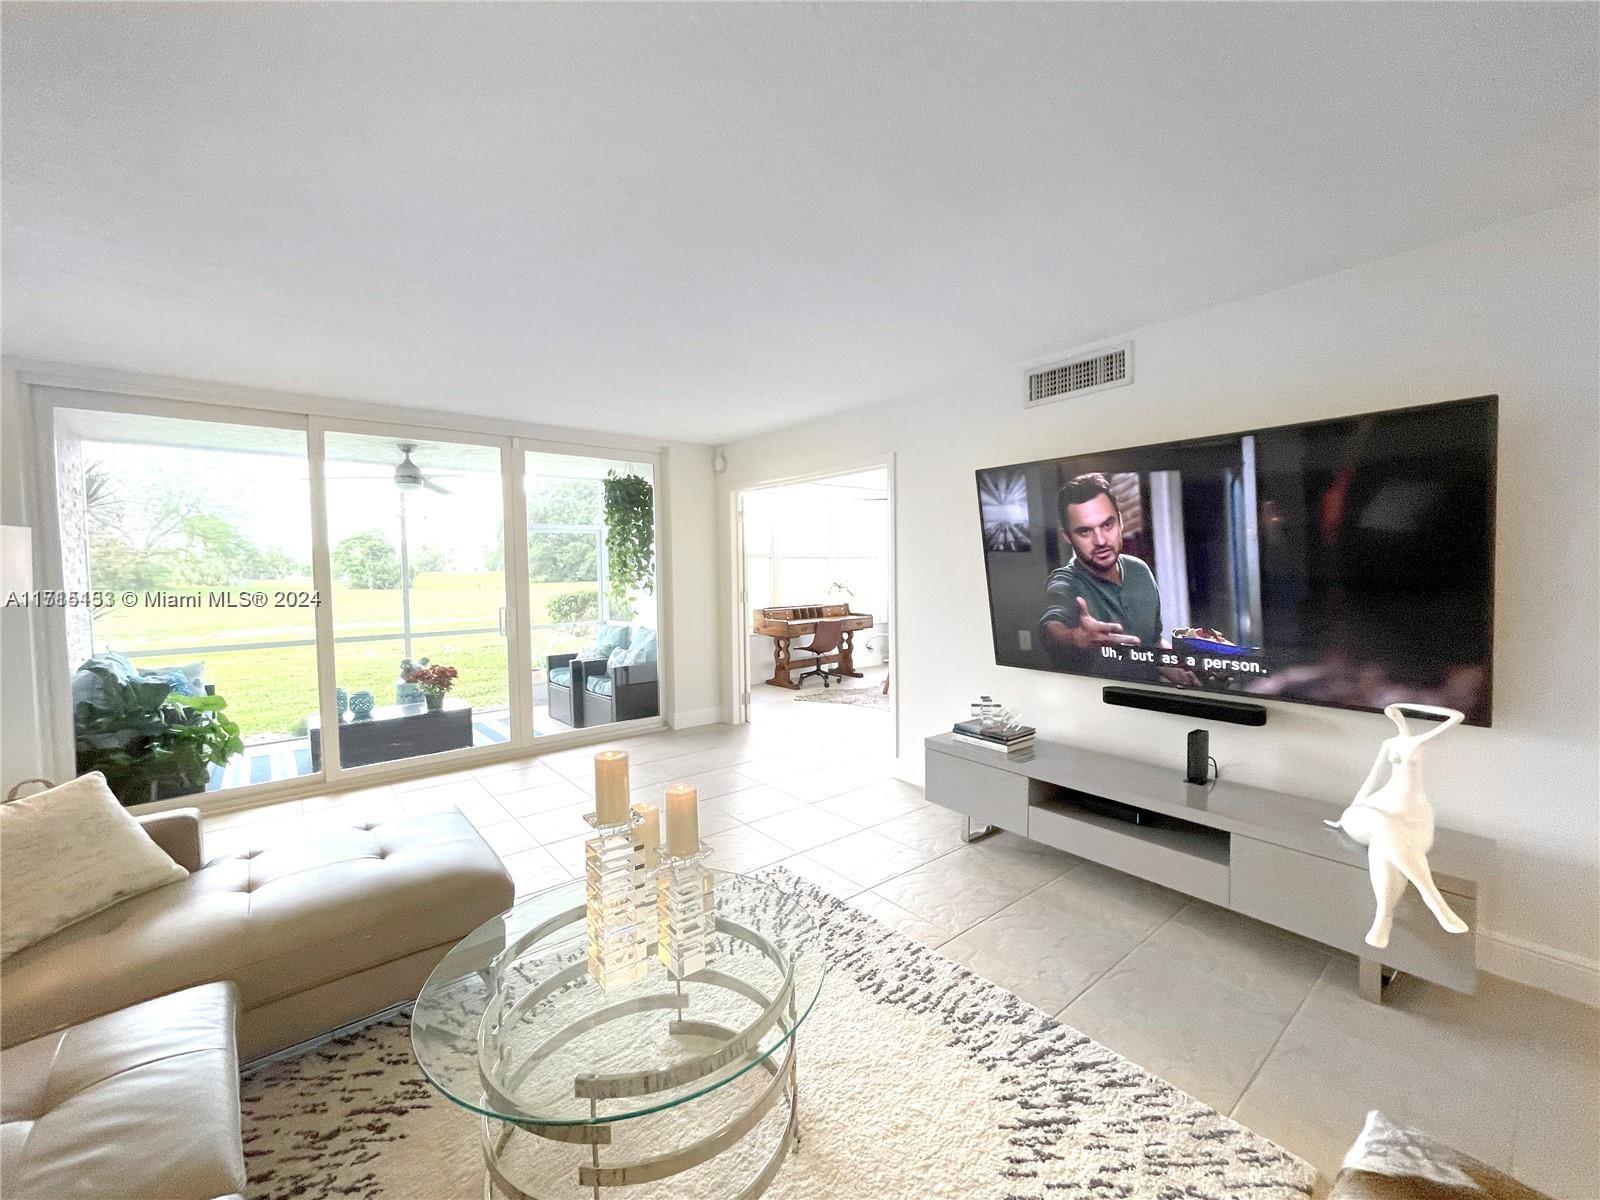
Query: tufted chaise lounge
[[138, 1104], [313, 935]]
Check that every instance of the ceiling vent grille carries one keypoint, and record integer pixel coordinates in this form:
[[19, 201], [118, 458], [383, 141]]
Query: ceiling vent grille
[[1105, 368]]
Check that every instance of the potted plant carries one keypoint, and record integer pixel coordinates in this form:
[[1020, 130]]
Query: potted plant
[[434, 682], [149, 743], [630, 534]]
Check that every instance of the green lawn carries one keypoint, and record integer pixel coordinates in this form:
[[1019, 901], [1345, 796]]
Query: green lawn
[[271, 691]]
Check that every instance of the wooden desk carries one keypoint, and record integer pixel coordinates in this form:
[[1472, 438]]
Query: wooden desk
[[782, 624]]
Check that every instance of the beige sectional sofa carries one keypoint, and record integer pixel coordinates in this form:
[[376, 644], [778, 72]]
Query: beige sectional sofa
[[291, 940], [139, 1104]]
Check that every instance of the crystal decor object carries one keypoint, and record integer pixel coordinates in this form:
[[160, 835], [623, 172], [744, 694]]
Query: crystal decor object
[[615, 883], [686, 914]]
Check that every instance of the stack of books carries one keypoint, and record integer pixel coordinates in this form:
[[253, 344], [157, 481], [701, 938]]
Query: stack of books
[[1006, 741]]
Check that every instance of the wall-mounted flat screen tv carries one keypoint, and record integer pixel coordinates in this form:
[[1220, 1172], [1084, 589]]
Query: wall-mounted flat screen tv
[[1347, 562]]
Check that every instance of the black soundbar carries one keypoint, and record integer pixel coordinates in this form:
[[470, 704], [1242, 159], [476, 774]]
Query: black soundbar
[[1203, 707]]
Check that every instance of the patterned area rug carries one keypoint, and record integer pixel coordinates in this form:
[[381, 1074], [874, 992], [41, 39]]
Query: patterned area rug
[[918, 1080], [861, 697]]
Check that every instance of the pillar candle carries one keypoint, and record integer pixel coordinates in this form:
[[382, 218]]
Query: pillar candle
[[683, 821], [611, 787], [650, 831]]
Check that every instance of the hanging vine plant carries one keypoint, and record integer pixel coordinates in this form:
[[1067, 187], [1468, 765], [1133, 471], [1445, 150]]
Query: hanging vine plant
[[630, 534]]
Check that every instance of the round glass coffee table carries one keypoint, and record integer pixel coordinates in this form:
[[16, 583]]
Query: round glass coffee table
[[688, 1085]]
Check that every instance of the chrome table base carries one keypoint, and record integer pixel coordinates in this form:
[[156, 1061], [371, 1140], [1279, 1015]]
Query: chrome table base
[[500, 1077]]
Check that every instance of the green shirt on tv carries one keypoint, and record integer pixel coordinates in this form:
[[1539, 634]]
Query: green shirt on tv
[[1134, 603]]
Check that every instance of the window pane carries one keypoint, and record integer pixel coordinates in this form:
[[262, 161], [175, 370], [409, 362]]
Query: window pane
[[860, 527], [417, 549], [803, 580], [202, 532], [555, 500], [867, 582], [591, 583], [800, 521]]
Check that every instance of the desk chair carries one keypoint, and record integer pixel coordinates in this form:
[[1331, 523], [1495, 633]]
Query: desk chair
[[825, 641]]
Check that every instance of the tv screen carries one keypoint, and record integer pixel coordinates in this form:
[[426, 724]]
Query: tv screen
[[1346, 562]]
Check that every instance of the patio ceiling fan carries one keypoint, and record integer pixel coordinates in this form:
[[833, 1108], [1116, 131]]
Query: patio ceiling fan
[[408, 477]]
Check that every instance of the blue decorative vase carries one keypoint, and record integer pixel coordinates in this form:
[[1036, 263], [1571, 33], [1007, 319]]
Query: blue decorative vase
[[341, 701], [361, 705]]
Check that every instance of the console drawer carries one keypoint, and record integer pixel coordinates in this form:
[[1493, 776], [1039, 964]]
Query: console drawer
[[1331, 902], [985, 793]]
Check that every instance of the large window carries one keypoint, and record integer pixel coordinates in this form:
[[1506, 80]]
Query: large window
[[821, 542], [417, 550], [591, 590], [243, 583], [194, 540]]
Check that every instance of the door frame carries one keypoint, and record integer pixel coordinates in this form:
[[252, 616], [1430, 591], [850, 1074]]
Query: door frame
[[737, 597]]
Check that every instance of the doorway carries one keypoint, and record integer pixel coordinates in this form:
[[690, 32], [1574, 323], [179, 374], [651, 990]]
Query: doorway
[[812, 551]]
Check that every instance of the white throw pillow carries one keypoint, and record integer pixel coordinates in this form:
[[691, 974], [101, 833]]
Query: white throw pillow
[[67, 853]]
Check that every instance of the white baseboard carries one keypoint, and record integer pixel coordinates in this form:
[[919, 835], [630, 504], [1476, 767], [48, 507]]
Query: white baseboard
[[1543, 967], [696, 716]]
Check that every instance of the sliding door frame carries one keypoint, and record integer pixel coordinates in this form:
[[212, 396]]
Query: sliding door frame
[[515, 560], [43, 389]]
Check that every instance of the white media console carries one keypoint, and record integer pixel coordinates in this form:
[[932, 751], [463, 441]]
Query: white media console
[[1265, 854]]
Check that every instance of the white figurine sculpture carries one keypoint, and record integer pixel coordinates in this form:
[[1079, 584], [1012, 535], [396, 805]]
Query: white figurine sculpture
[[1395, 823]]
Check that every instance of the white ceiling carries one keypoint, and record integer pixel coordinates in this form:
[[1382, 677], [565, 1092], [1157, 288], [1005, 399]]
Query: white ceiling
[[702, 221]]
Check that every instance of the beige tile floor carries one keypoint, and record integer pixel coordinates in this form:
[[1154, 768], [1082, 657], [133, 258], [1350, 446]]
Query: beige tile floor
[[1260, 1024]]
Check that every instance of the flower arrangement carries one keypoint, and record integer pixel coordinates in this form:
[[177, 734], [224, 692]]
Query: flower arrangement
[[433, 680]]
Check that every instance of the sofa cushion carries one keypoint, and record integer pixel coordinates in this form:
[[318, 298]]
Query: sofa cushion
[[139, 1102], [275, 921], [67, 853]]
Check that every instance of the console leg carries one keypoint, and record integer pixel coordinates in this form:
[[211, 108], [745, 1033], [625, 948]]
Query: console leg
[[967, 835], [1371, 978]]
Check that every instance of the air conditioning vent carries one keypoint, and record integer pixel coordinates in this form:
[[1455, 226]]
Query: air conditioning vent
[[1104, 368]]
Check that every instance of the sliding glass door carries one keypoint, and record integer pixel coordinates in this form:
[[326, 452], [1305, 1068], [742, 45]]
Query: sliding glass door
[[591, 590], [193, 661], [236, 582], [416, 547]]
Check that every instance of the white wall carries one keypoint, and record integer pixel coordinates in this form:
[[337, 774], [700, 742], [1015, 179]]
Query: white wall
[[689, 567], [1510, 310], [22, 749]]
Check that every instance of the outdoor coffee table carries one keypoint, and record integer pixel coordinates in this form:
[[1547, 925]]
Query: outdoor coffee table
[[396, 731], [579, 1089]]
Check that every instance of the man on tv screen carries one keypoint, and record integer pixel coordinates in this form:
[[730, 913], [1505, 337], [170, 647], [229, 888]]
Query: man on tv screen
[[1102, 597]]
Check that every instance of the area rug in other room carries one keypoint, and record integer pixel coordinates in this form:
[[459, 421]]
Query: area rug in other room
[[918, 1080], [861, 697]]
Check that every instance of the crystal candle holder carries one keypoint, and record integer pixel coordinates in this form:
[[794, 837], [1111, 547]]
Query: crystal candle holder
[[616, 879], [686, 913]]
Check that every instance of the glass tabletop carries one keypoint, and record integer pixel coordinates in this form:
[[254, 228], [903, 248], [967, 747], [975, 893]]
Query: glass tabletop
[[511, 1025]]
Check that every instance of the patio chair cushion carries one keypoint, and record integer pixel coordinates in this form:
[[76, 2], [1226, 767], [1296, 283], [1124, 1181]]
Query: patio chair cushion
[[304, 913], [600, 685], [561, 677], [642, 649], [610, 638]]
